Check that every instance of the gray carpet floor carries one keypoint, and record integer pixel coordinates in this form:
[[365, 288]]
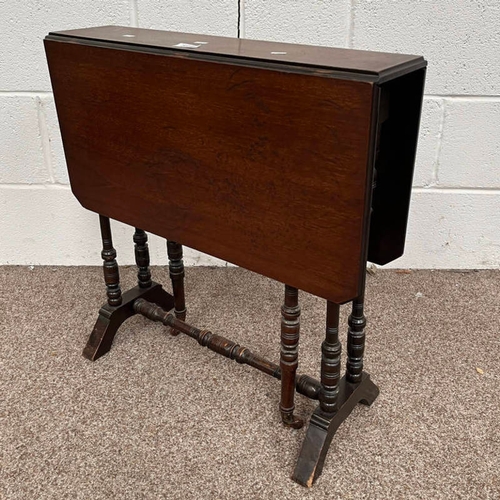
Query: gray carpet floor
[[160, 417]]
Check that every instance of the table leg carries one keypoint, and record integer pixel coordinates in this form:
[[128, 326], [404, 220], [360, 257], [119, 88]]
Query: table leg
[[120, 307], [142, 258], [110, 266], [290, 328], [111, 318], [356, 341], [337, 400], [176, 269], [331, 349]]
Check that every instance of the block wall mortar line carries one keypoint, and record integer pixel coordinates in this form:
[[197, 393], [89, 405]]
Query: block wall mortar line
[[44, 136], [457, 190], [134, 13], [464, 97], [350, 29], [55, 185], [25, 93], [435, 167], [241, 18]]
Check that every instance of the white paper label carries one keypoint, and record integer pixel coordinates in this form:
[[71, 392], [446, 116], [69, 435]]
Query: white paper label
[[186, 46]]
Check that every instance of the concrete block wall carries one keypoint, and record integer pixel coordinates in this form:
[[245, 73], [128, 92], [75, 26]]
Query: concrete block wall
[[455, 211]]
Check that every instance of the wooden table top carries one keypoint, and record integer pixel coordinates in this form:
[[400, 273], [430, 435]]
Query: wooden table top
[[267, 165], [374, 66]]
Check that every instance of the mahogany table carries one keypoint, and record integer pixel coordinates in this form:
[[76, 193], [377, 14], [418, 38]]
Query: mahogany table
[[293, 161]]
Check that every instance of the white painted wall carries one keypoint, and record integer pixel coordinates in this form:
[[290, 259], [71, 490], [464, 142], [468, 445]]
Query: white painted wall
[[455, 212]]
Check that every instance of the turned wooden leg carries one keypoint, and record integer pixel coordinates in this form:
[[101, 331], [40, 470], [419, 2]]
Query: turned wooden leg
[[356, 341], [337, 400], [120, 307], [176, 269], [142, 258], [110, 266], [290, 327], [331, 349]]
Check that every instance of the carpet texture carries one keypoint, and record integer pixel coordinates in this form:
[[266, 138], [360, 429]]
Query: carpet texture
[[159, 417]]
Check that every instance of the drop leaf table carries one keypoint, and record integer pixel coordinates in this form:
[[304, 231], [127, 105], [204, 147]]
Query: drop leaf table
[[293, 161]]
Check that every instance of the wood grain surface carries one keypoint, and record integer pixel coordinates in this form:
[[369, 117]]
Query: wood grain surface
[[354, 63], [268, 170]]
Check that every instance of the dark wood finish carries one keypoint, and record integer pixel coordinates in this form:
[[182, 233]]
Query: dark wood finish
[[337, 398], [221, 345], [246, 157], [348, 63], [110, 266], [399, 121], [264, 154], [322, 428], [111, 317], [176, 271], [356, 341], [331, 349], [289, 358], [142, 258]]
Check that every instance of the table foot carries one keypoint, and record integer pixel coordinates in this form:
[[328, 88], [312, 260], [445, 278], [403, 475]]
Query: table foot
[[291, 420], [322, 428], [111, 317]]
